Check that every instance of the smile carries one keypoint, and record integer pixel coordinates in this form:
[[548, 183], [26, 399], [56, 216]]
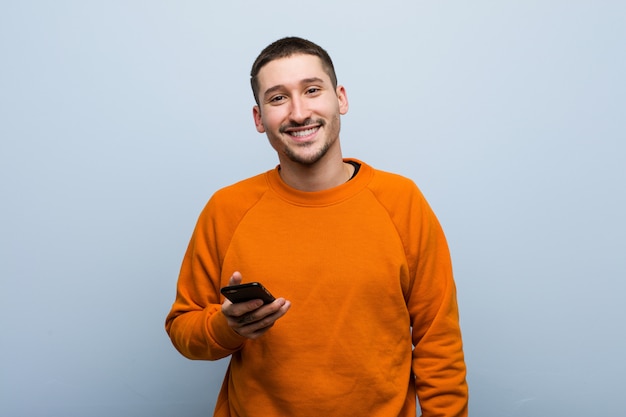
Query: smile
[[303, 133]]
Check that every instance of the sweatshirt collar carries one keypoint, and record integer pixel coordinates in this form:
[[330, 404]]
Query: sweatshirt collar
[[320, 198]]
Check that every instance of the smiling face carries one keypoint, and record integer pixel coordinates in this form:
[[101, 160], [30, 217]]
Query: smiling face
[[299, 109]]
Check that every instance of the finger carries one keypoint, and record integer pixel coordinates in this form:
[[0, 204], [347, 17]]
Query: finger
[[259, 328], [246, 319], [261, 320], [235, 278], [251, 311], [238, 310]]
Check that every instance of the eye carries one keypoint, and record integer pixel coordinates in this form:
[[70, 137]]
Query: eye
[[277, 99], [313, 90]]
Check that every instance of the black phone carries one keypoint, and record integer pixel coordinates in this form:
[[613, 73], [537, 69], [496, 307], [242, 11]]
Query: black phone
[[247, 292]]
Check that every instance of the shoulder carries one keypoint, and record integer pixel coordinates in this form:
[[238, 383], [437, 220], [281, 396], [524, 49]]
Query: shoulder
[[387, 185], [399, 195], [405, 205], [233, 201], [250, 189]]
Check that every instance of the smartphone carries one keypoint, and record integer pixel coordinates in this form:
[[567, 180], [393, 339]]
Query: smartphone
[[247, 292]]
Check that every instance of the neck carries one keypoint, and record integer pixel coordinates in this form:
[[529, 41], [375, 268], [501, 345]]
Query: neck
[[320, 176]]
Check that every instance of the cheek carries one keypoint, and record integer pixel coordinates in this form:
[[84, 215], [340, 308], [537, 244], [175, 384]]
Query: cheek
[[272, 120]]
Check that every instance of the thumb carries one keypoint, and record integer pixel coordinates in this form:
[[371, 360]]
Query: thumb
[[235, 278]]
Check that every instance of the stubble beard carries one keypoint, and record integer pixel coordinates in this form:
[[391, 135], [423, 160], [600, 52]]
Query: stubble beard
[[292, 152], [294, 156]]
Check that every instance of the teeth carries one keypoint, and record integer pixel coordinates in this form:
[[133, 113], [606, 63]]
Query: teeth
[[301, 133]]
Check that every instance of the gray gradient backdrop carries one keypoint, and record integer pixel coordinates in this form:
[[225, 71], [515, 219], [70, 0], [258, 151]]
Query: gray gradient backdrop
[[119, 119]]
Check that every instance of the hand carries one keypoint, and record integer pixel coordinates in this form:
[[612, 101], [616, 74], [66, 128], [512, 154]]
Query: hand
[[252, 318]]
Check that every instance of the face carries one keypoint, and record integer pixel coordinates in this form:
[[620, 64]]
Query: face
[[299, 109]]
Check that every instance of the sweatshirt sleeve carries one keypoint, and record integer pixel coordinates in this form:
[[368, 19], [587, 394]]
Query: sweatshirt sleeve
[[195, 324], [438, 359]]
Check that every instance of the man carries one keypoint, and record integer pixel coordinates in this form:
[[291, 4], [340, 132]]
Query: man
[[367, 315]]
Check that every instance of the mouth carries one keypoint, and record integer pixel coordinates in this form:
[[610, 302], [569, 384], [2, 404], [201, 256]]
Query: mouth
[[304, 131]]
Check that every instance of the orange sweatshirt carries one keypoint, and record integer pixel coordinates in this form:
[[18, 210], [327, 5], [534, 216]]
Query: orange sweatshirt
[[373, 321]]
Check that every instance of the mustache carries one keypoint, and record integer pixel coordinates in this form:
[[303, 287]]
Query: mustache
[[307, 122]]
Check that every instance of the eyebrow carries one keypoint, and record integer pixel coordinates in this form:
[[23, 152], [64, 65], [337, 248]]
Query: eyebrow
[[281, 86]]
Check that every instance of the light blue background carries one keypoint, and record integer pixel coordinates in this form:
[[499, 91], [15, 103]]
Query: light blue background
[[118, 120]]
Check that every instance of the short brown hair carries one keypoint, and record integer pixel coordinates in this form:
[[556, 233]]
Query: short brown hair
[[287, 47]]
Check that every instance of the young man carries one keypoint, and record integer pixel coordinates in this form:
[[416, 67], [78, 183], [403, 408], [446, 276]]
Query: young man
[[367, 315]]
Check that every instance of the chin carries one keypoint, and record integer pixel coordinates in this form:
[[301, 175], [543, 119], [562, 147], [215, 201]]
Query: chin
[[306, 159]]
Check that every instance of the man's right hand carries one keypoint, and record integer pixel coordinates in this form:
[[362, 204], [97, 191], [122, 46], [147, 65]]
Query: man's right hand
[[252, 319]]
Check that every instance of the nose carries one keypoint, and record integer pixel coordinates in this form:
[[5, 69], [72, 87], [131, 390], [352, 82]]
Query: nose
[[299, 110]]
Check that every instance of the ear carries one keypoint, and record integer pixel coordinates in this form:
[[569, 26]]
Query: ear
[[258, 121], [343, 100]]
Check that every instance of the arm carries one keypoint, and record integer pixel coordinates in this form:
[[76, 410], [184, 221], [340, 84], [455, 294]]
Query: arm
[[198, 325], [438, 360], [202, 334]]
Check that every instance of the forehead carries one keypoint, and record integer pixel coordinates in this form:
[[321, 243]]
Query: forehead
[[291, 70]]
